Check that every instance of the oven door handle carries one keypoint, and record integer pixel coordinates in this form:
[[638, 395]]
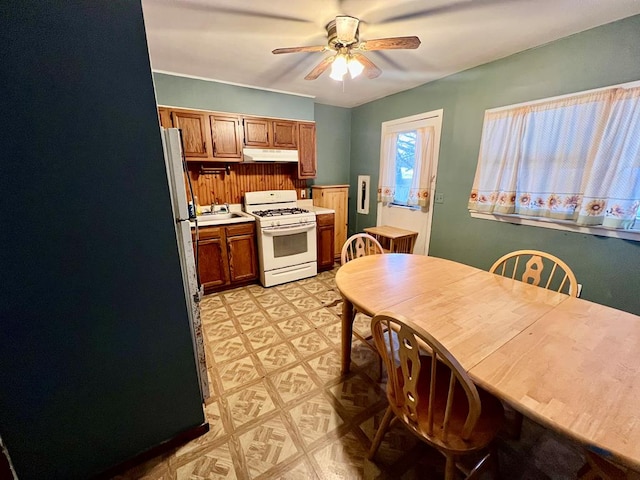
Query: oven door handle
[[281, 231]]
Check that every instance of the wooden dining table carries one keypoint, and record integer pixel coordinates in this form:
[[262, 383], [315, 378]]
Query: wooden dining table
[[567, 363]]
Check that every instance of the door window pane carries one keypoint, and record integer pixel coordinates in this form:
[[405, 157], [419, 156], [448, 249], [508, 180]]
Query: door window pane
[[405, 162]]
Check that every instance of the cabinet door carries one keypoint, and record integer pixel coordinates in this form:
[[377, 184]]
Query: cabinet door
[[256, 132], [307, 150], [165, 117], [285, 134], [196, 136], [242, 258], [325, 241], [337, 199], [225, 137], [212, 263]]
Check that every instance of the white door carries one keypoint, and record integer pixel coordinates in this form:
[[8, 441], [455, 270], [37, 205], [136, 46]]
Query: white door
[[397, 213]]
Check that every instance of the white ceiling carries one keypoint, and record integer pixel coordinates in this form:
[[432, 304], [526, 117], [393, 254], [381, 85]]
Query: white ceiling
[[231, 40]]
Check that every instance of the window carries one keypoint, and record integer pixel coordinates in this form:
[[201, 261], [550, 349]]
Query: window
[[407, 162], [572, 161]]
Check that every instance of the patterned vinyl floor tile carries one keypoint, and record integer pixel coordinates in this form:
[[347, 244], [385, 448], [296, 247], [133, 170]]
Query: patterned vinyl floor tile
[[214, 464], [294, 326], [267, 445], [292, 383], [309, 343], [276, 357], [250, 403], [263, 337], [252, 320], [280, 408], [237, 373], [315, 418], [326, 366]]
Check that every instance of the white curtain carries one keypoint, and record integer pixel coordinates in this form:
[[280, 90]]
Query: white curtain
[[575, 158], [423, 168], [419, 191], [387, 186]]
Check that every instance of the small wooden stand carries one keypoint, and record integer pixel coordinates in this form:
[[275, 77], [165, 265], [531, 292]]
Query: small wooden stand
[[392, 239]]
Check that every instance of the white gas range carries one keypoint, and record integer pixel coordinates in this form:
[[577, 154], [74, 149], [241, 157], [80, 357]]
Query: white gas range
[[287, 236]]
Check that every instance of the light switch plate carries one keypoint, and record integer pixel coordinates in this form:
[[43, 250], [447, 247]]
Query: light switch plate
[[439, 198]]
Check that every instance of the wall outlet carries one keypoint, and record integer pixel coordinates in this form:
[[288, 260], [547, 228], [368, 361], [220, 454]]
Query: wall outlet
[[439, 198], [303, 193]]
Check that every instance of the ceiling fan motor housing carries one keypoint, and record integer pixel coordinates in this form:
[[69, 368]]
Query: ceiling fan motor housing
[[334, 42]]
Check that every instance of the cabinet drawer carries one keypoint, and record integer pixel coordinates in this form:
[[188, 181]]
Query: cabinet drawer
[[240, 229], [209, 232]]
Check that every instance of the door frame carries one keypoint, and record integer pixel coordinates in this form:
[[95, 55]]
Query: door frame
[[404, 123]]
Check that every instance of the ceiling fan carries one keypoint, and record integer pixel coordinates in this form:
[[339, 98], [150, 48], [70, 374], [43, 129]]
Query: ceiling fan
[[343, 38]]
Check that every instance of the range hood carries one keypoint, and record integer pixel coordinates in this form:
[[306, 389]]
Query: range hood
[[269, 155]]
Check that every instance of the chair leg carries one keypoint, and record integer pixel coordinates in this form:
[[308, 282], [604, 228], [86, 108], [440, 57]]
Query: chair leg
[[377, 440], [450, 468], [516, 429]]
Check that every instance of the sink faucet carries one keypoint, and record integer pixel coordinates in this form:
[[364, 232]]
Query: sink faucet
[[226, 206], [214, 203]]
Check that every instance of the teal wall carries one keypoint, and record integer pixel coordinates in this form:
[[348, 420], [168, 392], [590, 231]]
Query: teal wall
[[333, 135], [608, 268], [186, 92]]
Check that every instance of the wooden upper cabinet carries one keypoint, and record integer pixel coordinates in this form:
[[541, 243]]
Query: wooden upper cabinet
[[307, 164], [196, 133], [270, 133], [285, 134], [165, 117], [256, 132], [225, 134]]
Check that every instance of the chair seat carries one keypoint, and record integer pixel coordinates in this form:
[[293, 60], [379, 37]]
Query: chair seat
[[490, 421]]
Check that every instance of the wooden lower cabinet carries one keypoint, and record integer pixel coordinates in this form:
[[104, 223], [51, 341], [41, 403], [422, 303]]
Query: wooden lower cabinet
[[335, 197], [325, 240], [242, 257], [227, 256]]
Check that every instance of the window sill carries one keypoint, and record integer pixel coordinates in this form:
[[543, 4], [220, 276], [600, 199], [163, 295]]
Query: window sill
[[633, 234]]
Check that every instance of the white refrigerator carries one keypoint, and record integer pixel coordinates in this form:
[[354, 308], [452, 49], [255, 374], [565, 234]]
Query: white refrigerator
[[176, 169]]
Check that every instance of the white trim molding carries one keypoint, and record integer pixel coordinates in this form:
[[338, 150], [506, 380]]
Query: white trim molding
[[633, 235]]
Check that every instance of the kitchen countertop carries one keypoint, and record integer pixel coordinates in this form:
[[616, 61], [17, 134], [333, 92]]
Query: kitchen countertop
[[308, 204], [212, 221]]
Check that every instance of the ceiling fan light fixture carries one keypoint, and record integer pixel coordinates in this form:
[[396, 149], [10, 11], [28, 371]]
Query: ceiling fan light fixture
[[339, 67], [355, 67]]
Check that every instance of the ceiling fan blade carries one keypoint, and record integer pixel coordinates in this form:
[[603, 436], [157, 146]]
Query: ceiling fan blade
[[394, 43], [315, 48], [370, 69], [320, 68], [346, 28]]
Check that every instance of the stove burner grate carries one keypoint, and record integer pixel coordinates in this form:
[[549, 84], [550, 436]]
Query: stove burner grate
[[277, 212]]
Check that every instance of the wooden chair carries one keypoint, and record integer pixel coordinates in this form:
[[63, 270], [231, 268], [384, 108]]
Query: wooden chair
[[432, 395], [537, 268], [356, 246], [599, 468], [540, 269], [359, 245]]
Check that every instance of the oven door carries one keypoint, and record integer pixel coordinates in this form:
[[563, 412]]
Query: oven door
[[288, 245]]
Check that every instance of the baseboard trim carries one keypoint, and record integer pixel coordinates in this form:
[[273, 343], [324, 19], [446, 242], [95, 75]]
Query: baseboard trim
[[179, 439]]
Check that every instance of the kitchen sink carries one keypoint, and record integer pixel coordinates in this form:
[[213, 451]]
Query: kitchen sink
[[222, 218], [219, 216]]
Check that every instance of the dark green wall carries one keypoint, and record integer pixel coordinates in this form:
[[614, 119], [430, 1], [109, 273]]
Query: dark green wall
[[96, 357], [607, 267], [333, 135]]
